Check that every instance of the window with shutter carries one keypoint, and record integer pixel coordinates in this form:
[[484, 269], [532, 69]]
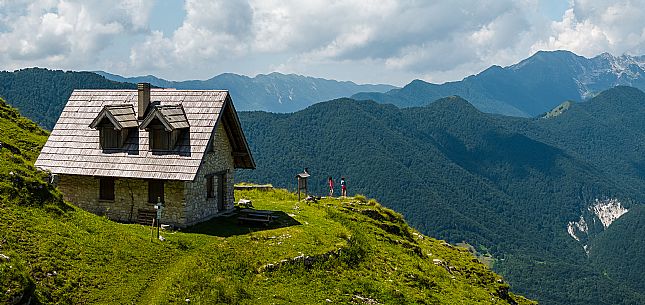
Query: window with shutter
[[109, 137], [159, 138], [155, 191], [106, 188]]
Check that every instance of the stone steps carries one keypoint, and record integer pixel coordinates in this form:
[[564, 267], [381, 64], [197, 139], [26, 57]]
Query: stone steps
[[227, 213]]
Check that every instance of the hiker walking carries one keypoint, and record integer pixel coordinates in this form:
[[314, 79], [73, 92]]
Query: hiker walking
[[331, 187], [343, 187]]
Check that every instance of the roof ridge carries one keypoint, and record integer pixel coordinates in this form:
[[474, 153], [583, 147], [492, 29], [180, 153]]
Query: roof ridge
[[153, 89], [119, 106], [179, 105]]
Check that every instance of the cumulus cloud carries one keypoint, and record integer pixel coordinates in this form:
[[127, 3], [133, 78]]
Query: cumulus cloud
[[425, 38], [65, 33], [211, 31], [403, 34], [592, 27], [365, 40], [413, 36]]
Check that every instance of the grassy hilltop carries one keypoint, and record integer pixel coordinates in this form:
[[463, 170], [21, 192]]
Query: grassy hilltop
[[338, 251]]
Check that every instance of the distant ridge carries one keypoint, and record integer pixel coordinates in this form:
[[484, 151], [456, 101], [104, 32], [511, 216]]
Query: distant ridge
[[529, 88], [273, 92]]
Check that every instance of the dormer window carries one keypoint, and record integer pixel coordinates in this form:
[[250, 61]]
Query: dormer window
[[159, 137], [110, 137], [114, 123], [166, 126]]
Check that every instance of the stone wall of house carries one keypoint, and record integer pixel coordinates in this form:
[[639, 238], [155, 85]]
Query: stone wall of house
[[219, 159], [130, 195]]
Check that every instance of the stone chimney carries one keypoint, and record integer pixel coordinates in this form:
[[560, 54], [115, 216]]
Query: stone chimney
[[144, 99]]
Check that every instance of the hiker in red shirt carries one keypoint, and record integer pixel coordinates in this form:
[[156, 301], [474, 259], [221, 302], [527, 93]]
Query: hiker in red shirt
[[331, 187]]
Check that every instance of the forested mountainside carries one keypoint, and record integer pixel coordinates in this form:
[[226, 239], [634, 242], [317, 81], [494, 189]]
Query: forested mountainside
[[529, 88], [274, 92], [41, 94], [514, 188], [547, 197], [340, 251]]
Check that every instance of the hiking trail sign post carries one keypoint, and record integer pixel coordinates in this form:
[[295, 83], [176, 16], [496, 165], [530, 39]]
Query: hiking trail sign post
[[302, 182], [159, 208]]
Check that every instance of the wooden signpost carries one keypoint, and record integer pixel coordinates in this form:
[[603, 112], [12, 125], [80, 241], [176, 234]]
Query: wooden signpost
[[159, 208], [302, 182]]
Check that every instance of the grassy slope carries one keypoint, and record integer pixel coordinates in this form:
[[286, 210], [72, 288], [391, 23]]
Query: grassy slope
[[60, 254], [77, 257]]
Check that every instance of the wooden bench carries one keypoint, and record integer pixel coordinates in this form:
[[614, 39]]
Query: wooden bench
[[254, 219], [263, 217], [258, 212]]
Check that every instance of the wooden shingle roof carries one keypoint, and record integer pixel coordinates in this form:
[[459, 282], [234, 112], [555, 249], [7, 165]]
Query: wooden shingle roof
[[171, 116], [121, 116], [73, 146]]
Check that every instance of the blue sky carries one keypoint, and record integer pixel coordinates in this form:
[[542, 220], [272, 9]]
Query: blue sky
[[366, 41], [171, 15]]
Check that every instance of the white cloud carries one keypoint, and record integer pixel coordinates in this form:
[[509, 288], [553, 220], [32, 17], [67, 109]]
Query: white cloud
[[152, 52], [387, 30], [403, 37], [592, 27], [367, 40], [65, 33], [212, 31]]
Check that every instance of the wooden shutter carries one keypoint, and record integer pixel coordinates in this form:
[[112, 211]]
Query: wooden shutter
[[159, 139], [110, 138]]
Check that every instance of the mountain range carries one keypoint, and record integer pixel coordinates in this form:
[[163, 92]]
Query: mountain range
[[274, 92], [529, 88], [551, 197], [556, 202], [41, 94]]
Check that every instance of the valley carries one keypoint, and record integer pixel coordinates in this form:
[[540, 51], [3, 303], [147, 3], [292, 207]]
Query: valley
[[322, 152]]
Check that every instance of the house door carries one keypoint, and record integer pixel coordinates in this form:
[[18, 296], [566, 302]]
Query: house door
[[221, 188]]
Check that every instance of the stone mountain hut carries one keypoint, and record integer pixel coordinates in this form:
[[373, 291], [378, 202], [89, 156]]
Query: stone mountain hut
[[118, 152]]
